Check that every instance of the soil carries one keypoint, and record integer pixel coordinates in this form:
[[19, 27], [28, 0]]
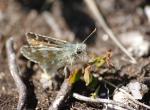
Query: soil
[[20, 16]]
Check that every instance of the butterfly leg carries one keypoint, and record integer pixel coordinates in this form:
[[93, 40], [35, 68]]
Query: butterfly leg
[[71, 60], [66, 71]]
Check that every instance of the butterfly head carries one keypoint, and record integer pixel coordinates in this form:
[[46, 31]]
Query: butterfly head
[[80, 49], [76, 52]]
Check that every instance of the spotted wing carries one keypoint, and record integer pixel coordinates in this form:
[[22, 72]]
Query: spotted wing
[[39, 54]]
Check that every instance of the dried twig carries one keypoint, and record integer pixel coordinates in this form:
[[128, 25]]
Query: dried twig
[[99, 100], [61, 96], [98, 16], [14, 70]]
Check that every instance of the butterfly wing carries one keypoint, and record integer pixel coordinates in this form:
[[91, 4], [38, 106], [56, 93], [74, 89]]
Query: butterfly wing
[[48, 58], [40, 54], [44, 50], [40, 40]]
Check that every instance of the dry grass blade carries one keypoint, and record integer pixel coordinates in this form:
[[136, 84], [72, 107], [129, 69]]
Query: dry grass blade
[[98, 16]]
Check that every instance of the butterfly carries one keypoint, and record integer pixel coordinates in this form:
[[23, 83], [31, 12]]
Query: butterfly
[[51, 53]]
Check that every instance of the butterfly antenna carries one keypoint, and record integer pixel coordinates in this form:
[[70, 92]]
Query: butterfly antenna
[[89, 35]]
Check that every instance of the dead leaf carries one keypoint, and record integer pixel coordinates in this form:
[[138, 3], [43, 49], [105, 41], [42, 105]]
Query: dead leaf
[[87, 75]]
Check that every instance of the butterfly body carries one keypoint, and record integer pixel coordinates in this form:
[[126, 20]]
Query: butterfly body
[[50, 53]]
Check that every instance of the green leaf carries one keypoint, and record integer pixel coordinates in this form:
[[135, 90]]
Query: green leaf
[[75, 76], [95, 94], [101, 60], [98, 61]]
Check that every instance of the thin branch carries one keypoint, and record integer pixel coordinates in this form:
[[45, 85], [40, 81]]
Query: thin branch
[[14, 70], [99, 100], [98, 16], [61, 96]]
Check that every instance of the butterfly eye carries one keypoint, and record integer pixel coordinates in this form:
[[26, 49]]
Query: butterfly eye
[[79, 51]]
